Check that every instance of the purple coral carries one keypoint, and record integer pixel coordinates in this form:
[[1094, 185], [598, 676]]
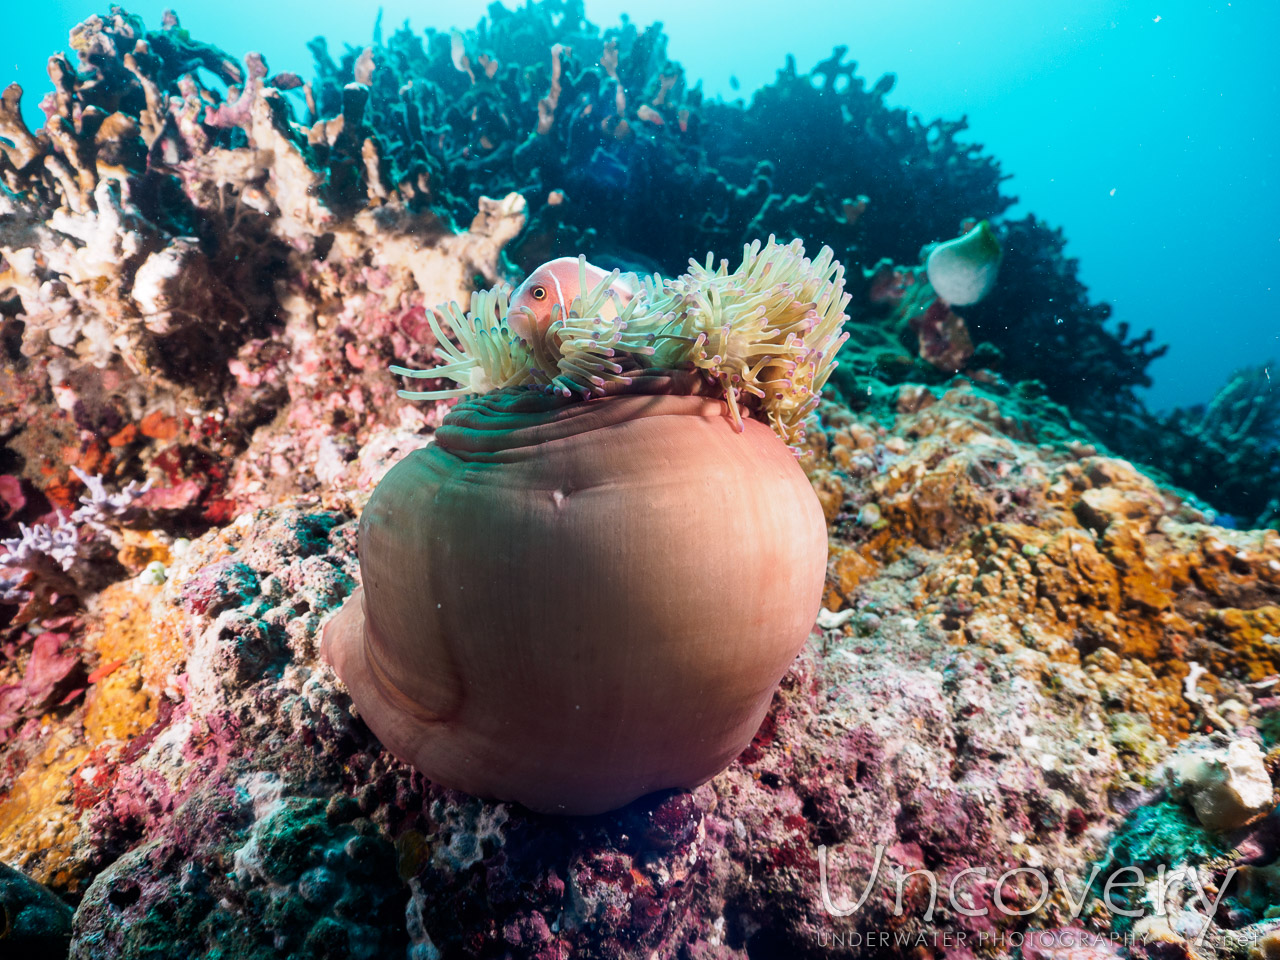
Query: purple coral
[[100, 506], [58, 541]]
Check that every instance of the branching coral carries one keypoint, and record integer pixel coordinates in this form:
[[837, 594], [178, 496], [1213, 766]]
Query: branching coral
[[1041, 318], [765, 335], [56, 546], [1227, 451], [58, 541], [99, 505], [180, 258], [579, 118]]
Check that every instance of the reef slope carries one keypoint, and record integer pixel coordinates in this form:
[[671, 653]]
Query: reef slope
[[999, 666], [1025, 646]]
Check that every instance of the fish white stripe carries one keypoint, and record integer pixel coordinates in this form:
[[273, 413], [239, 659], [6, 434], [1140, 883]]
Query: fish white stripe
[[559, 292]]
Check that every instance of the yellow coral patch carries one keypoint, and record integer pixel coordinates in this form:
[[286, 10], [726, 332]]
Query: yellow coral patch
[[37, 823], [39, 820], [122, 704]]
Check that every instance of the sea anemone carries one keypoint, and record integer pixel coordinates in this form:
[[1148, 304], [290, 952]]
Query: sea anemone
[[963, 271], [588, 587], [765, 334]]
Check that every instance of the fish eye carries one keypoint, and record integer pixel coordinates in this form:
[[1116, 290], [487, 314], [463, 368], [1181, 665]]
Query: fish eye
[[539, 293]]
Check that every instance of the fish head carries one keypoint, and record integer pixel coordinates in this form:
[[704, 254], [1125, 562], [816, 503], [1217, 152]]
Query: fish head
[[556, 283]]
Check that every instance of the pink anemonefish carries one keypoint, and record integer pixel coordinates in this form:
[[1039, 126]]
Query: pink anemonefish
[[554, 283]]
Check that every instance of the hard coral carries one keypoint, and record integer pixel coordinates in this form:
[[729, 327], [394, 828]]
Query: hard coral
[[579, 119], [180, 265], [1046, 327], [1226, 451]]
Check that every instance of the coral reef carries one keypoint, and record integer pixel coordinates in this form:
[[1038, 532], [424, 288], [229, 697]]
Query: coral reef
[[1010, 622], [185, 275], [1030, 651], [1039, 316], [541, 103], [1227, 450], [763, 337], [577, 120]]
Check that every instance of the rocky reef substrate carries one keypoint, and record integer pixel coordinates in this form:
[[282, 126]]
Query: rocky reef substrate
[[1032, 655]]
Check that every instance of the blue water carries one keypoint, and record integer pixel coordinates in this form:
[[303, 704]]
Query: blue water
[[1146, 129]]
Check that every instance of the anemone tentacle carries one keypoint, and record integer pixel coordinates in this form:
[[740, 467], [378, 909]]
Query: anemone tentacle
[[766, 334]]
